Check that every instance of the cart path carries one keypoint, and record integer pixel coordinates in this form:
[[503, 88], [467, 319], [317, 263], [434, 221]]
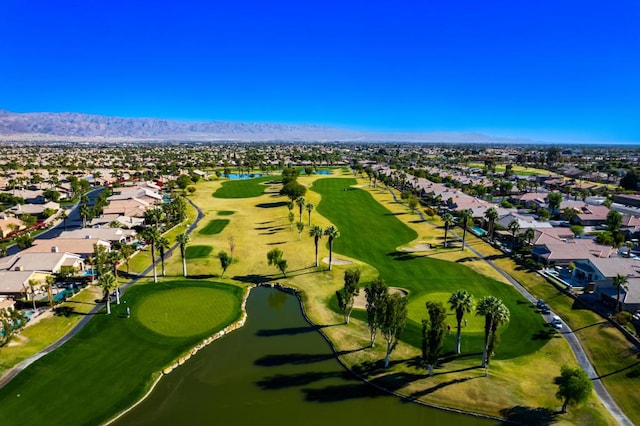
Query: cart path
[[567, 333], [15, 370]]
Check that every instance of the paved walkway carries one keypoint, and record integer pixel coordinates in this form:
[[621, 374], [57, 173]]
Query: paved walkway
[[13, 372], [567, 333]]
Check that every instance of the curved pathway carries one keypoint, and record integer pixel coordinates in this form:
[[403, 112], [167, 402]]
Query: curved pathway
[[568, 334], [14, 371]]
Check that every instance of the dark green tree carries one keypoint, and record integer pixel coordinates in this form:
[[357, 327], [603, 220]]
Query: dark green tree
[[225, 261], [376, 294], [433, 333], [347, 294], [574, 386], [392, 320]]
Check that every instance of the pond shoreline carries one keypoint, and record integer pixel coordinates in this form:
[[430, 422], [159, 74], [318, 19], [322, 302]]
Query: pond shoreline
[[240, 322]]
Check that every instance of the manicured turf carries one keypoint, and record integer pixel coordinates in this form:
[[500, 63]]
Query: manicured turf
[[225, 212], [113, 358], [243, 188], [214, 227], [184, 311], [370, 232], [194, 252]]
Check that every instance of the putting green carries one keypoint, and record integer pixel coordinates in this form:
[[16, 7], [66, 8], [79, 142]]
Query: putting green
[[184, 312], [225, 212], [243, 188], [195, 252], [214, 227]]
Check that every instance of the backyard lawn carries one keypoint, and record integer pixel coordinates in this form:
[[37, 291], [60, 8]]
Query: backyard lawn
[[115, 359]]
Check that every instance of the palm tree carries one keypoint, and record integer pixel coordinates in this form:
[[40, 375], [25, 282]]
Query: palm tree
[[309, 207], [529, 234], [301, 202], [151, 235], [464, 219], [447, 218], [501, 316], [49, 281], [64, 216], [108, 283], [183, 240], [619, 281], [492, 309], [331, 232], [300, 227], [127, 251], [491, 215], [163, 245], [32, 286], [84, 213], [316, 232], [114, 258], [461, 302], [514, 227]]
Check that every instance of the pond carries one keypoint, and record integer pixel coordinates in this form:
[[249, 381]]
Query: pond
[[275, 370]]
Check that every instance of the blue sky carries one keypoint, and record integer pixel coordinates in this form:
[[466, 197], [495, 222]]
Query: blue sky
[[545, 69]]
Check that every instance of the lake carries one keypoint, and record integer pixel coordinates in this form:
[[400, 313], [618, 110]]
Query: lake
[[276, 370]]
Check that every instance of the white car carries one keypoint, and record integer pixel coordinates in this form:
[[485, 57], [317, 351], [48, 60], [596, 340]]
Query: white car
[[556, 322]]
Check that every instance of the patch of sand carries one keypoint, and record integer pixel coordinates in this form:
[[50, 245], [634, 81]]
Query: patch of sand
[[336, 261], [417, 247], [360, 301]]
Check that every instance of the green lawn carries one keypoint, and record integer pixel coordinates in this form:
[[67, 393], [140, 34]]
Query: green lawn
[[195, 252], [214, 227], [114, 358], [243, 188], [371, 233], [225, 212]]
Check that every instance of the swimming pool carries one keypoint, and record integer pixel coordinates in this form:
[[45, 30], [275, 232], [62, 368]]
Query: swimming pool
[[479, 231], [63, 295]]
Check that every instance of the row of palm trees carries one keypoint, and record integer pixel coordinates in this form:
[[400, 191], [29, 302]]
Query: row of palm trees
[[157, 241], [331, 233], [494, 312]]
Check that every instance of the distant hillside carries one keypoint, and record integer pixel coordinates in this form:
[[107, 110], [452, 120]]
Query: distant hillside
[[74, 126]]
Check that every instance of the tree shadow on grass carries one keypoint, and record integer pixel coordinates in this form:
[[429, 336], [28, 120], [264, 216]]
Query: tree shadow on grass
[[275, 243], [253, 278], [271, 205], [535, 416], [443, 385], [402, 256]]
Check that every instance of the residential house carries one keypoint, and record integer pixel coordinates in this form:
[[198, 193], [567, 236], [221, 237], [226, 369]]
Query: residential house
[[560, 252], [113, 235], [82, 247], [601, 273], [50, 263], [590, 215], [9, 225], [15, 284]]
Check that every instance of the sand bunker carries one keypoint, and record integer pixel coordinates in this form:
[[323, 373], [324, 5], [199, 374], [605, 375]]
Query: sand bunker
[[360, 301], [336, 261], [417, 247]]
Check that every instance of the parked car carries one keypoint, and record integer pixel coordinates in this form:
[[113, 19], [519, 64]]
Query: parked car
[[545, 310], [556, 322], [540, 303]]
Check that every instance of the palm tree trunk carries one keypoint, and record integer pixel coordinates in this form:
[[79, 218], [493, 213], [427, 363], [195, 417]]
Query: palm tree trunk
[[117, 295], [309, 217], [458, 338], [485, 349], [373, 338], [330, 254], [153, 263], [163, 271], [464, 237], [316, 253], [184, 264], [430, 370]]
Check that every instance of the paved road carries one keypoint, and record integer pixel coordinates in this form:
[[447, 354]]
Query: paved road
[[74, 221], [9, 375], [567, 333]]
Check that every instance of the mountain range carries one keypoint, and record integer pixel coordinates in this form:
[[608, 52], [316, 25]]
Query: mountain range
[[69, 126]]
